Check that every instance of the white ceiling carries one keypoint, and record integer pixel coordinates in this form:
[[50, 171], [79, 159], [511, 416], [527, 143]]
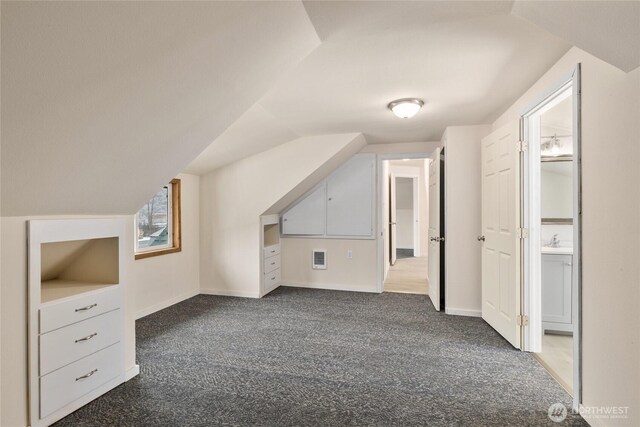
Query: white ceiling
[[466, 70], [98, 97], [255, 131], [467, 59], [559, 118], [609, 30]]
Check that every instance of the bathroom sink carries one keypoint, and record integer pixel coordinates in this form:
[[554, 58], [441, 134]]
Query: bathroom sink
[[560, 250]]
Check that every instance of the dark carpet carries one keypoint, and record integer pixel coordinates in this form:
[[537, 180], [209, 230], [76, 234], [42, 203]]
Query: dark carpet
[[301, 357], [404, 253]]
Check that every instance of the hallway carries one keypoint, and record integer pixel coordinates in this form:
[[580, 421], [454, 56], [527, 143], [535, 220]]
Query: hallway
[[301, 357], [409, 276]]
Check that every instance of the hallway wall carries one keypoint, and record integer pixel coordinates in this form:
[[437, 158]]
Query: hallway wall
[[463, 269]]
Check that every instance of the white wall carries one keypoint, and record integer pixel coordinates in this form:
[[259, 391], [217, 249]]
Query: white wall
[[233, 198], [610, 230], [403, 147], [404, 213], [556, 191], [404, 228], [164, 280], [463, 270], [353, 274]]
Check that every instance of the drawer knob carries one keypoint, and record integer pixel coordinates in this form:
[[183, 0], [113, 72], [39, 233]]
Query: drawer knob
[[273, 278], [87, 375], [87, 338], [89, 307], [273, 263]]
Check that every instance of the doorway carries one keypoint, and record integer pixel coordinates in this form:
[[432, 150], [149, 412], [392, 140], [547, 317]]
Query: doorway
[[405, 212], [552, 214], [405, 217]]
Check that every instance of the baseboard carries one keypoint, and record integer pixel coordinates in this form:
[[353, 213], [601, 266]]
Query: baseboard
[[329, 286], [164, 304], [132, 372], [463, 312], [268, 291], [230, 293]]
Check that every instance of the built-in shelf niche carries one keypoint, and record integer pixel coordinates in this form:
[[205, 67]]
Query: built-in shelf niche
[[73, 267], [271, 235]]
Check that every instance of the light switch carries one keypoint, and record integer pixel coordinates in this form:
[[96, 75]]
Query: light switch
[[349, 253]]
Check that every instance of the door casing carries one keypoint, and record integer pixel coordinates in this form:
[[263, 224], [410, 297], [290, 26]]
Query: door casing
[[531, 285]]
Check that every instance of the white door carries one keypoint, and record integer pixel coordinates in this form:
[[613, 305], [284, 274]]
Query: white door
[[393, 226], [434, 229], [500, 222]]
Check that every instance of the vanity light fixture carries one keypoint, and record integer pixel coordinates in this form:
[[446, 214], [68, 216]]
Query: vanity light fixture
[[405, 108]]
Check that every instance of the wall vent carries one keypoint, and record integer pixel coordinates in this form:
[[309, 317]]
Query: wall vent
[[319, 259]]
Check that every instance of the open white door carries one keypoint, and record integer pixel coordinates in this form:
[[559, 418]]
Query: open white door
[[393, 229], [434, 229], [501, 263]]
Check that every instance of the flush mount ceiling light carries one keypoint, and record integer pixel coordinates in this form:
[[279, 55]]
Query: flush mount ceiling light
[[406, 107]]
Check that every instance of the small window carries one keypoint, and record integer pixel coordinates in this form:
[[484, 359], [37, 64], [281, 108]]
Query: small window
[[158, 223]]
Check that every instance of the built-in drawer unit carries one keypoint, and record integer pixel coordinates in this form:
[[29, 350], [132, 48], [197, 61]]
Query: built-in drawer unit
[[271, 280], [66, 345], [271, 263], [271, 251], [56, 314], [76, 314], [67, 384]]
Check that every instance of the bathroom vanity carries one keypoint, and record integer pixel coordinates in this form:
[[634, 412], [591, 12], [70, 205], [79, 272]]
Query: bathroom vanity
[[557, 289]]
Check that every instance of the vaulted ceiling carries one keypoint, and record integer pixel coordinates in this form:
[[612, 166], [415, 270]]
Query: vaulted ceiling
[[102, 102]]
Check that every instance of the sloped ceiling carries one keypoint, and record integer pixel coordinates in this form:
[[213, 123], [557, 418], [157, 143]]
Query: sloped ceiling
[[255, 131], [466, 60], [609, 30], [102, 102]]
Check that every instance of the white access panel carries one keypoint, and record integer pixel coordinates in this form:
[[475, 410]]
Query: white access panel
[[350, 198], [306, 217]]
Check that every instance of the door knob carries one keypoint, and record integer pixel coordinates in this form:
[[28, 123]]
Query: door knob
[[481, 239], [433, 239]]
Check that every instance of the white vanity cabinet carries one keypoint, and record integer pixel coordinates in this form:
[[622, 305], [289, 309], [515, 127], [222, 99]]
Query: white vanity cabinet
[[557, 292]]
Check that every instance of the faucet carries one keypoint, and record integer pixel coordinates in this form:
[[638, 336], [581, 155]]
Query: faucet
[[554, 242]]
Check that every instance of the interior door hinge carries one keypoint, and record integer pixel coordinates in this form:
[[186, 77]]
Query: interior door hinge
[[522, 320], [523, 233], [523, 146]]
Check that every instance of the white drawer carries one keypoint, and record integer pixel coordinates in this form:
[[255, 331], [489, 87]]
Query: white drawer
[[271, 263], [270, 251], [271, 280], [55, 315], [65, 345], [65, 385]]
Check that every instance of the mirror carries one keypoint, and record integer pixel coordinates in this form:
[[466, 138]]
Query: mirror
[[556, 179]]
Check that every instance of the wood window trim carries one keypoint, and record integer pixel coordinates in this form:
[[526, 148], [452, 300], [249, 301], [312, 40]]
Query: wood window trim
[[176, 231]]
